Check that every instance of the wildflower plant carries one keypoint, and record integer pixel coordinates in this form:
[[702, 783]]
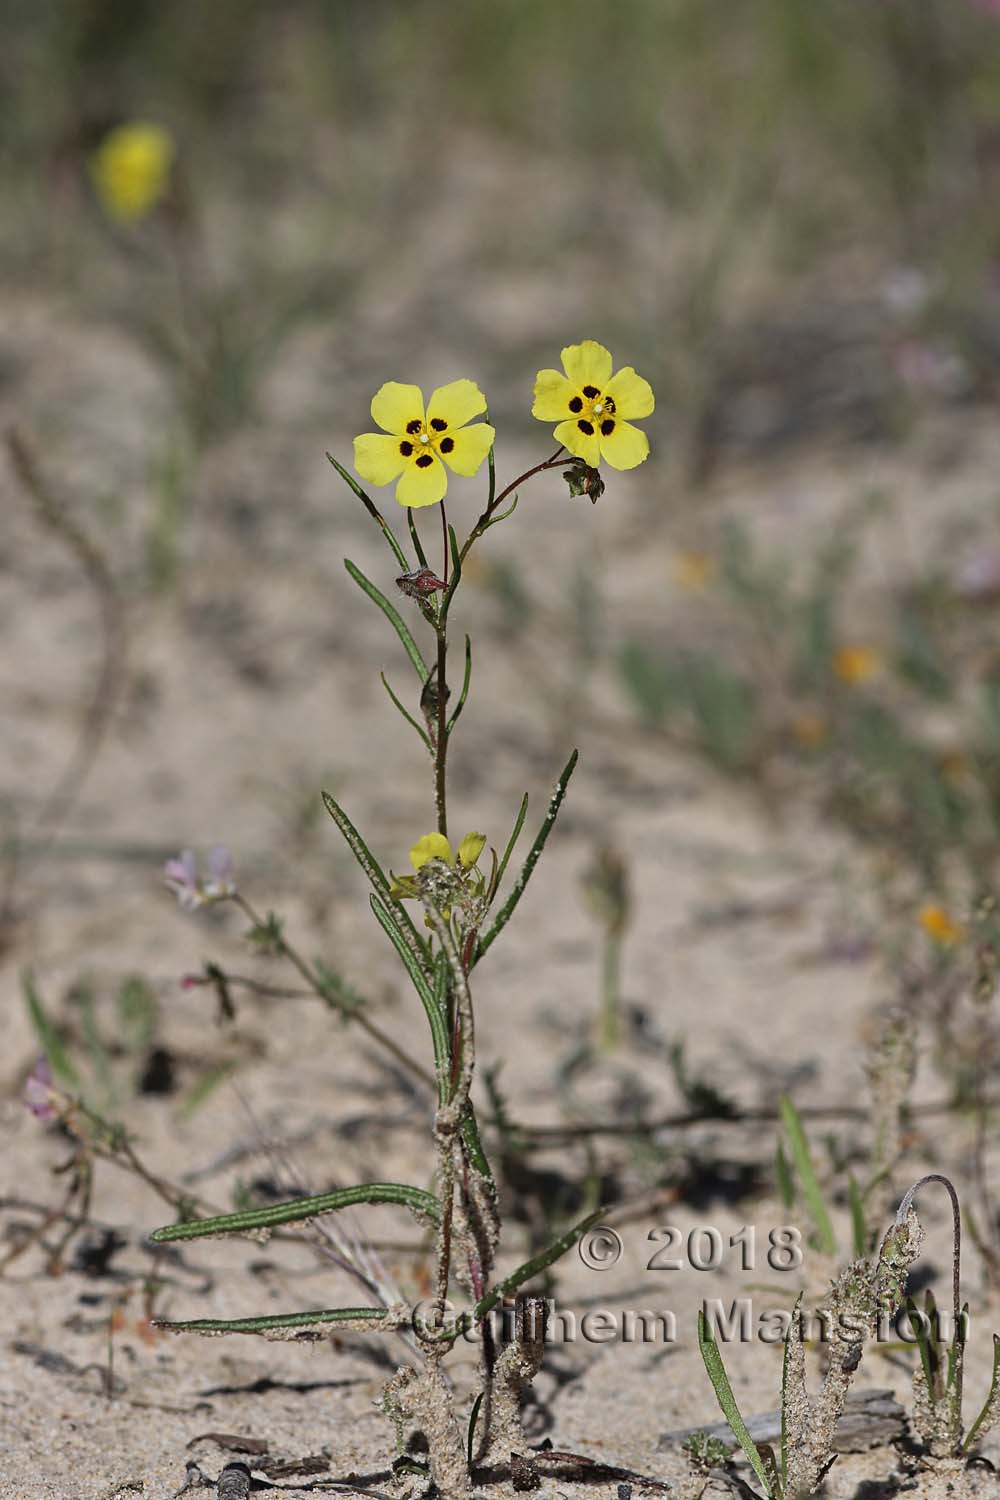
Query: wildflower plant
[[459, 889]]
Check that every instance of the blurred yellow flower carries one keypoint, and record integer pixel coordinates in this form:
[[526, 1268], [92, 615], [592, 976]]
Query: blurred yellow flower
[[592, 407], [810, 730], [694, 570], [855, 664], [940, 927], [420, 443], [131, 170]]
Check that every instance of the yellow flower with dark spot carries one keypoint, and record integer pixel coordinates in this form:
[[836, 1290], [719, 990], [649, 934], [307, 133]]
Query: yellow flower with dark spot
[[420, 442], [130, 170], [593, 406], [856, 664], [940, 927]]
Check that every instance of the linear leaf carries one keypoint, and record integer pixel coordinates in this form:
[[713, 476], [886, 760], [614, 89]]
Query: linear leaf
[[415, 537], [465, 687], [358, 1317], [506, 911], [990, 1413], [439, 1030], [393, 616], [373, 870], [373, 511], [406, 713], [48, 1038], [808, 1180], [423, 1204], [538, 1263], [727, 1401], [515, 835]]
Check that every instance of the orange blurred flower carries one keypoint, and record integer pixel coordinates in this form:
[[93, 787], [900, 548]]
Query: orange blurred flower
[[856, 664], [940, 927]]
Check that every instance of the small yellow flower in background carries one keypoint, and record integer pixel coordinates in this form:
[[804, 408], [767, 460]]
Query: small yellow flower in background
[[856, 664], [436, 846], [940, 927], [694, 571], [810, 730], [131, 170], [592, 407], [420, 443]]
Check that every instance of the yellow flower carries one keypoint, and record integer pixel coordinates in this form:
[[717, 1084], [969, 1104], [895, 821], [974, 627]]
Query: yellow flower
[[131, 170], [436, 846], [939, 926], [694, 571], [592, 407], [418, 441], [854, 664]]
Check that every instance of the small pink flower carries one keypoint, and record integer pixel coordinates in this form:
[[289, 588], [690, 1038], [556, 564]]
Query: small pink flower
[[181, 876], [38, 1094]]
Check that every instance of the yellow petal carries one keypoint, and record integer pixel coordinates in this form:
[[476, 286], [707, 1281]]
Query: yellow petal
[[131, 170], [553, 393], [431, 846], [625, 447], [633, 396], [587, 364], [422, 486], [470, 849], [578, 443], [456, 403], [469, 447], [395, 405], [377, 458]]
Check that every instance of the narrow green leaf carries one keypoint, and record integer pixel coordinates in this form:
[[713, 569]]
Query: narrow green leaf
[[425, 1205], [406, 714], [922, 1325], [859, 1228], [473, 1144], [376, 1317], [515, 835], [415, 537], [393, 616], [48, 1038], [374, 512], [506, 911], [538, 1263], [990, 1413], [807, 1176], [471, 1441], [203, 1088], [727, 1401], [373, 870], [439, 1030], [783, 1177], [465, 688]]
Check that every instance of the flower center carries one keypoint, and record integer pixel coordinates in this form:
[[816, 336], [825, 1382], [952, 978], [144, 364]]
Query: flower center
[[594, 412], [425, 439]]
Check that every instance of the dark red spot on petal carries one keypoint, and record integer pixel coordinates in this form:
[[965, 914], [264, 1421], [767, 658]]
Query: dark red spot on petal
[[415, 425], [438, 424], [590, 391], [586, 427], [576, 404], [609, 402], [607, 427], [446, 445], [424, 461], [405, 448]]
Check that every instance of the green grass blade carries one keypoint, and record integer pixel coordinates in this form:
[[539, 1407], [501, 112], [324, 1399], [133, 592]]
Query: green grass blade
[[808, 1180], [375, 1318], [506, 911], [727, 1401], [435, 1018], [424, 1205], [783, 1177], [859, 1229], [393, 616], [922, 1333], [465, 687], [406, 714], [374, 512], [48, 1038], [515, 835], [471, 1440], [538, 1263]]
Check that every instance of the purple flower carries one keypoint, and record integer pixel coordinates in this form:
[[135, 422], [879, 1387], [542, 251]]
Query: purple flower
[[181, 875], [38, 1091]]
